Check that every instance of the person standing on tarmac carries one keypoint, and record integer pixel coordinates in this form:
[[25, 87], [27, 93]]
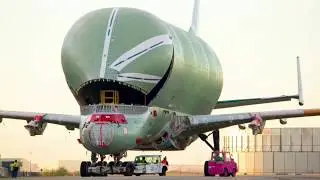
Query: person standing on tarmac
[[14, 169], [165, 164]]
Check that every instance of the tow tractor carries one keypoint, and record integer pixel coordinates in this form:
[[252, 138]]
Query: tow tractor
[[221, 163], [143, 164]]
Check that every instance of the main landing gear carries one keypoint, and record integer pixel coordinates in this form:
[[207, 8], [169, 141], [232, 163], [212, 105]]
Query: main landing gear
[[102, 168], [216, 139], [216, 146]]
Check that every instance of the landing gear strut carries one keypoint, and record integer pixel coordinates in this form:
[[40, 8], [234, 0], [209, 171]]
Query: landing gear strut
[[94, 158], [94, 168], [216, 139]]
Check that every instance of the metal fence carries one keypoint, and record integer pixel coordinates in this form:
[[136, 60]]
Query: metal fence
[[275, 140], [128, 109]]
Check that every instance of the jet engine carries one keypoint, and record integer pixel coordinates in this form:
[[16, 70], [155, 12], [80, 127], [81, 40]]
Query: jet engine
[[257, 125], [36, 126], [283, 121], [0, 119], [241, 126]]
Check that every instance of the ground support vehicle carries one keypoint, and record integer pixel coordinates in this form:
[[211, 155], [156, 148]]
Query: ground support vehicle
[[221, 164], [149, 164], [143, 164]]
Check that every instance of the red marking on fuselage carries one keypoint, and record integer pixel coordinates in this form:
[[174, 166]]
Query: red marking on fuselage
[[257, 120], [155, 114], [138, 140], [108, 118], [38, 117], [101, 143]]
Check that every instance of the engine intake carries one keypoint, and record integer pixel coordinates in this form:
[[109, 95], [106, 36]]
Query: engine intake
[[36, 126], [241, 126], [257, 125], [283, 121]]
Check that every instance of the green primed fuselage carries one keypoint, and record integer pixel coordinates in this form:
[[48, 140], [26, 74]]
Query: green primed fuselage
[[152, 64]]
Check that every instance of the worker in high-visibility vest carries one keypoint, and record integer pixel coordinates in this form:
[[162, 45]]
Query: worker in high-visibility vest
[[14, 167]]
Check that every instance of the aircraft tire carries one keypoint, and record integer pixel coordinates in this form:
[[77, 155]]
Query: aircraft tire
[[129, 169], [84, 169], [233, 174], [205, 169], [225, 173]]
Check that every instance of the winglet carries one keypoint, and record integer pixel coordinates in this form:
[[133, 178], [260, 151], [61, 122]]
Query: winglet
[[300, 93], [195, 17]]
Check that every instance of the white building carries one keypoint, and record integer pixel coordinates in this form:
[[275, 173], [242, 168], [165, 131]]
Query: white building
[[276, 151]]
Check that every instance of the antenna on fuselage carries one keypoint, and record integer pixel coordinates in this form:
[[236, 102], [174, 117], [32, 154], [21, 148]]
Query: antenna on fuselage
[[195, 18]]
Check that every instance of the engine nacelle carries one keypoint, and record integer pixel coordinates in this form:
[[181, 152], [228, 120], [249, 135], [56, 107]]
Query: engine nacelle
[[0, 119], [257, 125], [70, 128], [283, 121], [242, 127], [36, 126]]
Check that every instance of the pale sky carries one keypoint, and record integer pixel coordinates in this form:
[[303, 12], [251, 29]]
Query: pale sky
[[256, 41]]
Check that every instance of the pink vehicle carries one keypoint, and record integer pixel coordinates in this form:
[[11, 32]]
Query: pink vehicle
[[221, 163]]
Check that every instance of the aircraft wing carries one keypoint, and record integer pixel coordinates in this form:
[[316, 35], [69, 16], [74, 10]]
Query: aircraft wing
[[37, 121], [244, 102], [203, 123]]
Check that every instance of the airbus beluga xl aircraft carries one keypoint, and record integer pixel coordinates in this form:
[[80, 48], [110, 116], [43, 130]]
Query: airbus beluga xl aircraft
[[144, 84]]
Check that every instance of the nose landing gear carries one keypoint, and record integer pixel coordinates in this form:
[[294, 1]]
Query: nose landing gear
[[102, 168], [94, 168]]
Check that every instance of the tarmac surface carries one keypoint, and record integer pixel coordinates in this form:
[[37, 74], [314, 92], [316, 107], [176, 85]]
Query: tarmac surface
[[300, 177]]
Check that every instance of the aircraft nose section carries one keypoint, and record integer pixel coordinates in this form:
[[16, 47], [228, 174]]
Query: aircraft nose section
[[123, 45], [101, 135]]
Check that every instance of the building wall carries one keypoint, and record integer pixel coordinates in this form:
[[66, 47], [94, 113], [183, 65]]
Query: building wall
[[277, 150], [25, 164]]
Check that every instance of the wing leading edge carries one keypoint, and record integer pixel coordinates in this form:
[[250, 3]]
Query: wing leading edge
[[203, 123], [37, 121]]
